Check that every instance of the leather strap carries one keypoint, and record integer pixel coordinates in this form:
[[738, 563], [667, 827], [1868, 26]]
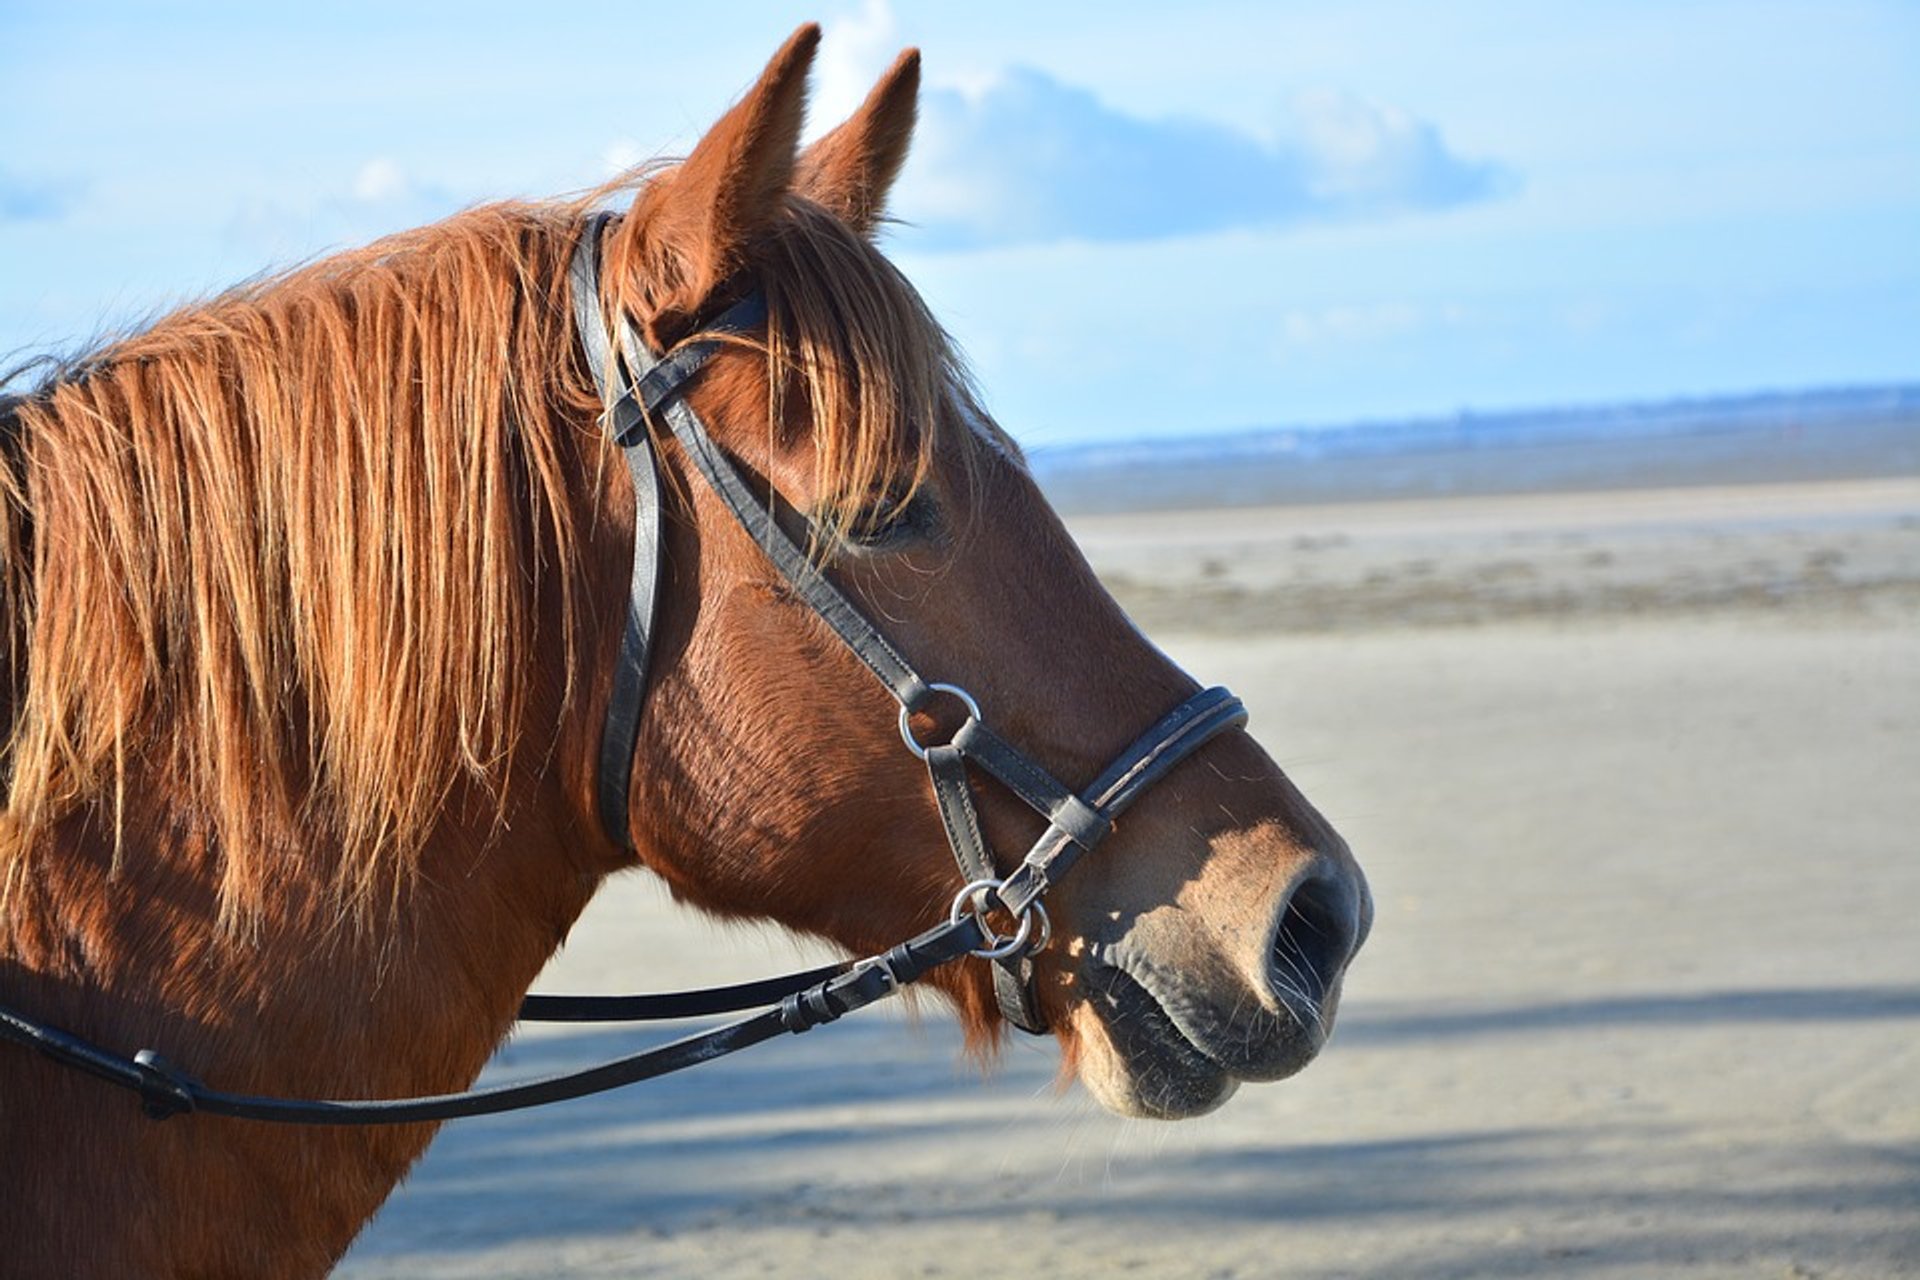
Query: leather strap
[[873, 649], [1013, 986], [623, 420], [668, 1005], [1177, 735], [166, 1091], [1044, 793], [947, 772]]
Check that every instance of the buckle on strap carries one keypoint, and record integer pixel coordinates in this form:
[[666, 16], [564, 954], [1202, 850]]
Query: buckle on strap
[[164, 1089]]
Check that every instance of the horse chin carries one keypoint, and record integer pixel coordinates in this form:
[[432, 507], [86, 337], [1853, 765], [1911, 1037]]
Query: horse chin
[[1140, 1058], [1136, 1061]]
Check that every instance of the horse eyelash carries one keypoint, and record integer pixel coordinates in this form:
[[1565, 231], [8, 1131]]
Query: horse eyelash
[[891, 526]]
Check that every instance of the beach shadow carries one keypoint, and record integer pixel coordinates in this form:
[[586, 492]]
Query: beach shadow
[[623, 1157], [875, 1125]]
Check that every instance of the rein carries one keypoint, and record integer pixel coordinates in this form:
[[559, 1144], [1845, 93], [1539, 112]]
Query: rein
[[639, 386]]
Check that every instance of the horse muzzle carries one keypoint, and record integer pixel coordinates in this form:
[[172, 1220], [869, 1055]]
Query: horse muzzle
[[1177, 1010]]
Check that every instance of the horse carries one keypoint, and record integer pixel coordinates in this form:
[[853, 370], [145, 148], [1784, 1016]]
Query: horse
[[316, 595]]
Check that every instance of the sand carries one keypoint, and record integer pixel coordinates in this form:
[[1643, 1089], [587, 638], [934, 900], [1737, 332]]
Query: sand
[[1636, 779]]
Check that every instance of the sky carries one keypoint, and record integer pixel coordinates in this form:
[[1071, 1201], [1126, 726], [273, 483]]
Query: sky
[[1253, 214]]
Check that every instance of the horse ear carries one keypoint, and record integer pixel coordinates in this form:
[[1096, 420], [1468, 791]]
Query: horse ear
[[850, 170], [690, 228]]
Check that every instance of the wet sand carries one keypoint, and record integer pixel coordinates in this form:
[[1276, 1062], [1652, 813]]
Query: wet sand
[[1636, 778]]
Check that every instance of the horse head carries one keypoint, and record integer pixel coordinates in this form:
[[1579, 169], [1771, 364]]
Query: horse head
[[1203, 943]]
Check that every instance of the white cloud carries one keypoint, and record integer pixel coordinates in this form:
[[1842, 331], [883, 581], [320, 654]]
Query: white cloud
[[387, 189], [1367, 155], [1029, 159], [379, 180], [1348, 323]]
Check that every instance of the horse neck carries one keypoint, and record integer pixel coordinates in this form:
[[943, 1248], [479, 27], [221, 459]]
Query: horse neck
[[299, 1002]]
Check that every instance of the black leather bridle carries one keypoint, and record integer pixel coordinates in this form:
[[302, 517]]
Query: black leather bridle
[[639, 386]]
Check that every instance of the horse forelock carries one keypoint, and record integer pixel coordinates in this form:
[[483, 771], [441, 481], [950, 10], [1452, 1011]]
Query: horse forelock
[[855, 359], [876, 371]]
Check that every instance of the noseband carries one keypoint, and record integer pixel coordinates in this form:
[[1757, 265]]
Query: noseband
[[639, 386]]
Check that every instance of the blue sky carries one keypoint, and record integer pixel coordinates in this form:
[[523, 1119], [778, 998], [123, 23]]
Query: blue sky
[[1258, 213]]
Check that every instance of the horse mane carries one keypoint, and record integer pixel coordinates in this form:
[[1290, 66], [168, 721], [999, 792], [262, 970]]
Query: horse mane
[[286, 549], [286, 545]]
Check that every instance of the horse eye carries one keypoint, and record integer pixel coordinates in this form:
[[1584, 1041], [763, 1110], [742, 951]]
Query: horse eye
[[890, 524]]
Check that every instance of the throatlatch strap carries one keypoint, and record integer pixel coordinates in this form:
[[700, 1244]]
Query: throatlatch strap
[[622, 419]]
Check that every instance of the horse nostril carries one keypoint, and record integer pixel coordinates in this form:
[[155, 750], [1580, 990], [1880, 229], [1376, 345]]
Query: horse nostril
[[1319, 930]]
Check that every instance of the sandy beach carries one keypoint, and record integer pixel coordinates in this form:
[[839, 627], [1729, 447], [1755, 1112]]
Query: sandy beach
[[1635, 776]]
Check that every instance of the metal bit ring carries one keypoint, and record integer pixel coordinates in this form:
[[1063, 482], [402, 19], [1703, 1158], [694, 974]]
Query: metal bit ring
[[1000, 947]]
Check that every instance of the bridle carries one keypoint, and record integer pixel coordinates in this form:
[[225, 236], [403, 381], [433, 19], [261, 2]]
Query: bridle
[[637, 387]]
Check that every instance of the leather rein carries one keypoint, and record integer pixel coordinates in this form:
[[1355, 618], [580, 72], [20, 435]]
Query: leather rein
[[639, 387]]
